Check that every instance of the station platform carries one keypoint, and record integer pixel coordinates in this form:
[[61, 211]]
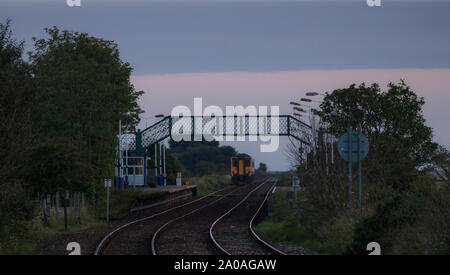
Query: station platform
[[163, 195], [169, 188]]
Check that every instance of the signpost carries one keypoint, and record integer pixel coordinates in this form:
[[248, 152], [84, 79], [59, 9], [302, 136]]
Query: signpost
[[107, 185], [353, 147]]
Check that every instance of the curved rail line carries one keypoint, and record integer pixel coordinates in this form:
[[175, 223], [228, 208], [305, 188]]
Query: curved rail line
[[110, 236], [211, 228], [155, 235], [250, 225]]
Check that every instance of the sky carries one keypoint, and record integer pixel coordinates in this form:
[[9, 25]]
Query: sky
[[261, 52]]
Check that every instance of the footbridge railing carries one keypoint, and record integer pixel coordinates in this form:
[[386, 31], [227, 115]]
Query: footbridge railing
[[197, 128]]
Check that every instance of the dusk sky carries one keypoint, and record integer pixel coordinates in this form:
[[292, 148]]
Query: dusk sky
[[261, 52]]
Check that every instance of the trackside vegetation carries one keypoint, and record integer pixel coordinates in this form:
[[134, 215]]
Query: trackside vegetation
[[58, 118], [59, 110], [405, 194]]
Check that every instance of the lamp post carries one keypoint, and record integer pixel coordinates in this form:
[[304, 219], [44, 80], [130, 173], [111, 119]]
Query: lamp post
[[155, 119], [297, 107], [164, 170], [326, 136], [310, 110], [155, 160], [309, 100], [160, 156], [314, 94], [160, 163], [119, 156]]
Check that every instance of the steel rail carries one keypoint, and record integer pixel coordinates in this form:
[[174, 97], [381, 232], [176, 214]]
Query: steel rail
[[211, 228], [113, 233], [155, 235], [250, 225]]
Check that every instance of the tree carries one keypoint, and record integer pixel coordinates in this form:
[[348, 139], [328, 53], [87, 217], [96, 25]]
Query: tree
[[16, 99], [17, 92], [398, 197], [440, 165], [262, 167], [392, 120], [58, 165], [203, 157], [85, 90], [394, 116]]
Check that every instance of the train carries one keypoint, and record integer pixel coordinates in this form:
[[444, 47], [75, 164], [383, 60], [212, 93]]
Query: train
[[242, 169]]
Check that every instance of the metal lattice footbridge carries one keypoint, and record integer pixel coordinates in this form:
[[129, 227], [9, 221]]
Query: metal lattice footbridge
[[193, 128]]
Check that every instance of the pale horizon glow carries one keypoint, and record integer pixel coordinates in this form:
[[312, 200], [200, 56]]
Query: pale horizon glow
[[163, 92]]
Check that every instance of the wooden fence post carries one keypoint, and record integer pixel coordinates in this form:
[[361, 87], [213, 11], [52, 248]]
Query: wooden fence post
[[82, 202], [49, 205], [78, 204], [75, 203], [57, 205], [68, 205]]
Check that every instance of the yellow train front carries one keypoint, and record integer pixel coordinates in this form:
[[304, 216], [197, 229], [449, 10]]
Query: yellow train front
[[241, 169]]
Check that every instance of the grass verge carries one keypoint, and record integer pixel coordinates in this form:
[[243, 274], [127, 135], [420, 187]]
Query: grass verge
[[210, 183], [283, 226], [121, 201]]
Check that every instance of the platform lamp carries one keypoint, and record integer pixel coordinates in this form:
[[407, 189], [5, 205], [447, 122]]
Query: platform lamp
[[159, 179], [296, 106], [314, 94], [315, 112]]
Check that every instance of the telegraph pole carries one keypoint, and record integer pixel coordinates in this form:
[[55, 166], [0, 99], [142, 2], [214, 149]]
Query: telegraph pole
[[107, 185], [160, 162], [359, 168], [156, 166], [119, 167], [349, 168], [164, 158]]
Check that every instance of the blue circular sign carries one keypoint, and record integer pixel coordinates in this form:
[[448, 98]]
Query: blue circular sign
[[359, 146]]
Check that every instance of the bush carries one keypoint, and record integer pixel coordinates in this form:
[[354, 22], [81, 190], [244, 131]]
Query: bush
[[430, 233], [16, 219], [209, 183], [413, 222], [120, 201], [375, 228], [336, 235]]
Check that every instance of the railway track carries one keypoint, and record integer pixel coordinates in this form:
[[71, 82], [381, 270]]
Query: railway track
[[186, 228], [132, 237], [228, 234], [188, 234], [255, 216]]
